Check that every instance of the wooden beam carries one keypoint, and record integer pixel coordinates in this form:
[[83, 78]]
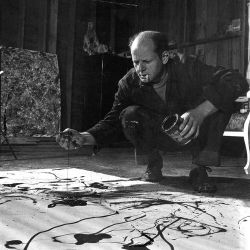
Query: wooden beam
[[52, 26], [112, 28], [21, 23], [185, 22], [212, 18], [201, 24], [70, 58], [42, 25], [204, 41], [244, 38]]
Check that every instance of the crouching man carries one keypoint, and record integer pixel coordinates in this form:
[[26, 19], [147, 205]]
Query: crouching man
[[160, 85]]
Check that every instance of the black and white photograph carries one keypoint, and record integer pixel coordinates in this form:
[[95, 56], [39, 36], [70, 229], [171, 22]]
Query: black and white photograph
[[125, 124]]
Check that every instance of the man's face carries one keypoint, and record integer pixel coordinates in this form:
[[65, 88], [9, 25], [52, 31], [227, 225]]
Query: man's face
[[147, 63]]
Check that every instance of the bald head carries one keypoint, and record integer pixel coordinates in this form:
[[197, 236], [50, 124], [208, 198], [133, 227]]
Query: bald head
[[148, 52], [156, 40]]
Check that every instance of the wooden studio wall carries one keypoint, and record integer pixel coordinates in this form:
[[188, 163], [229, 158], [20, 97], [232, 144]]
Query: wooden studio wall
[[214, 29]]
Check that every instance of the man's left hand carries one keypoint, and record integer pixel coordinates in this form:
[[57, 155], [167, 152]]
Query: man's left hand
[[193, 119], [190, 126]]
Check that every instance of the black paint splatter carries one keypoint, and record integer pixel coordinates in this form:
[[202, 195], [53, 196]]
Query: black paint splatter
[[23, 188], [70, 223], [68, 202], [98, 185], [9, 244], [11, 184], [135, 247], [90, 238], [85, 238]]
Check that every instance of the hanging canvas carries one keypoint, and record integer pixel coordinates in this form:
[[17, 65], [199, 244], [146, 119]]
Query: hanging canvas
[[30, 93]]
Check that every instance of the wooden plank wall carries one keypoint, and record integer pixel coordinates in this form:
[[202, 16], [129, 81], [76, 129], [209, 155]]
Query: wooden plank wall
[[213, 18], [58, 26], [186, 21]]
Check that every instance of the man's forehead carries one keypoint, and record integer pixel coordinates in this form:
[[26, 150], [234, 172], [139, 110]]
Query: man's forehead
[[143, 42]]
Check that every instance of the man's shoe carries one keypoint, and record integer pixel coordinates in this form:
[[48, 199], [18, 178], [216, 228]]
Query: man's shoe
[[198, 178], [155, 164], [152, 175]]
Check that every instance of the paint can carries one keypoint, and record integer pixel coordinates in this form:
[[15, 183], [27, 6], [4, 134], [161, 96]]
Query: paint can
[[170, 126]]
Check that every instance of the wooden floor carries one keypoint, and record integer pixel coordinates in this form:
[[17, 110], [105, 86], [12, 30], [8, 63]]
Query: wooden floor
[[54, 199]]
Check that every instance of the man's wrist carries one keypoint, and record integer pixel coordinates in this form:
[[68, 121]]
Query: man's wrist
[[88, 139], [207, 108]]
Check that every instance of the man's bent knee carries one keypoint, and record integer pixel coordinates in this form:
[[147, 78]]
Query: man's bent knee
[[139, 126], [132, 116]]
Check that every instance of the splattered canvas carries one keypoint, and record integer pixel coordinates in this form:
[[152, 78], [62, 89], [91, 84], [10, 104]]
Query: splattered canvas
[[78, 209], [30, 92]]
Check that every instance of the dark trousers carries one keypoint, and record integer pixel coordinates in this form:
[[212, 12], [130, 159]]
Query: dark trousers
[[142, 128]]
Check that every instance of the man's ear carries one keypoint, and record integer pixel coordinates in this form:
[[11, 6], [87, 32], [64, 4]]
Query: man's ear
[[165, 57]]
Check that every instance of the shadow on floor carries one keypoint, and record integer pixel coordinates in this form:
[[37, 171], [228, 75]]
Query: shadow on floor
[[226, 188]]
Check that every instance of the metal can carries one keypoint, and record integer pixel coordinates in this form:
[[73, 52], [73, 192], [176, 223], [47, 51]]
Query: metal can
[[170, 126]]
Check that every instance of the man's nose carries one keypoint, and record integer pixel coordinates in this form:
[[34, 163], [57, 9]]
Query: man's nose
[[141, 66]]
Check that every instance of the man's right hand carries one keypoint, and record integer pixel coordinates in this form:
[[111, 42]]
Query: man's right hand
[[71, 139]]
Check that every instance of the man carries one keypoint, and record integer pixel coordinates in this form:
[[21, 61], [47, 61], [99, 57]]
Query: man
[[160, 85]]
